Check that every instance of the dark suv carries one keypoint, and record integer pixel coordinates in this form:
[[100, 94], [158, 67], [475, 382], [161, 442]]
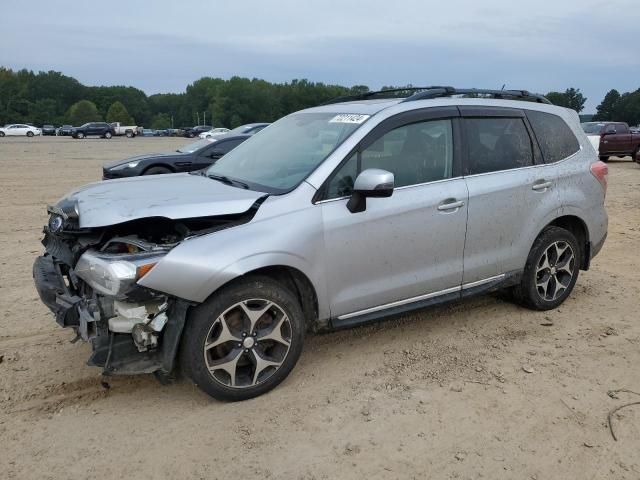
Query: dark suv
[[94, 129]]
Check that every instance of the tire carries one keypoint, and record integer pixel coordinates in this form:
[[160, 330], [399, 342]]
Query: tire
[[129, 134], [604, 158], [157, 171], [635, 156], [108, 135], [256, 359], [80, 135], [29, 134], [1, 134], [544, 263]]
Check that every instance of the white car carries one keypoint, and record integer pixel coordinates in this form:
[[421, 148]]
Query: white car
[[214, 132], [19, 129]]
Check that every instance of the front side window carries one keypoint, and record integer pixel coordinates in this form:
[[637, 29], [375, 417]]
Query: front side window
[[416, 153], [555, 138], [496, 144]]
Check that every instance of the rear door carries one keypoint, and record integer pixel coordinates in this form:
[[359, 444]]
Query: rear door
[[508, 186]]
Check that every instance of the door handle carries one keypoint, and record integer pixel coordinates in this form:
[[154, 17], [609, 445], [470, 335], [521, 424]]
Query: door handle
[[541, 186], [443, 207]]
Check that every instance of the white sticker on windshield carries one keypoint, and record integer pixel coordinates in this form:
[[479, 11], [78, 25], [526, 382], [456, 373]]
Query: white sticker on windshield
[[349, 118]]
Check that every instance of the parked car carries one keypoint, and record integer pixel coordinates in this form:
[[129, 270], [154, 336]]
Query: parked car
[[332, 217], [194, 156], [48, 130], [93, 129], [612, 139], [191, 132], [148, 132], [214, 132], [65, 130], [19, 129], [128, 131], [249, 128]]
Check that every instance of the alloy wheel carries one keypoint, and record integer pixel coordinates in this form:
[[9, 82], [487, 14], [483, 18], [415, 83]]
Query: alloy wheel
[[555, 270], [247, 343]]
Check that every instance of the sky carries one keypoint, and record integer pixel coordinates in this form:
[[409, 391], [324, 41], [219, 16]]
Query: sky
[[162, 46]]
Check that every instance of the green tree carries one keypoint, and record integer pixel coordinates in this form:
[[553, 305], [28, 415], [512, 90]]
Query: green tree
[[118, 113], [82, 112], [608, 107], [570, 98], [161, 121]]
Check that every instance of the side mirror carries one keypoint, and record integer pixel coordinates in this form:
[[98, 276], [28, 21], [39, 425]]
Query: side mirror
[[372, 182]]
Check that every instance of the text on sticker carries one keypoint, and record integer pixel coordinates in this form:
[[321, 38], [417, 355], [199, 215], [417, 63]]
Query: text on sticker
[[349, 118]]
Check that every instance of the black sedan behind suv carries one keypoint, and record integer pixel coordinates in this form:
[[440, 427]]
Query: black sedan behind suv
[[93, 129], [194, 156], [197, 130]]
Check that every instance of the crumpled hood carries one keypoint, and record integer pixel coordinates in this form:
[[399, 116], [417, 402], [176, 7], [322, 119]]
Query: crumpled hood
[[175, 196], [142, 157]]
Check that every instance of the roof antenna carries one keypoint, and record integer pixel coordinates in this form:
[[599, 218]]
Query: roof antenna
[[503, 85]]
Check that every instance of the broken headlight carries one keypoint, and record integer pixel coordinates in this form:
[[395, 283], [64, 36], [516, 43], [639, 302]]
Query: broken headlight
[[113, 275]]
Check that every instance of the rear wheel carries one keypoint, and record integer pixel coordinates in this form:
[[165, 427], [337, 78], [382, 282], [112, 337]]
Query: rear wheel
[[129, 134], [244, 340], [157, 171], [29, 134], [551, 270]]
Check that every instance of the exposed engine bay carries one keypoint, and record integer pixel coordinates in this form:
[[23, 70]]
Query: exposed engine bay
[[88, 279]]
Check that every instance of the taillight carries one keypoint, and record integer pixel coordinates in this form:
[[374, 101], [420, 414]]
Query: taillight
[[600, 171]]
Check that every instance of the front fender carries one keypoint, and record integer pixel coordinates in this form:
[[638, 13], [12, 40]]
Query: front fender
[[275, 237]]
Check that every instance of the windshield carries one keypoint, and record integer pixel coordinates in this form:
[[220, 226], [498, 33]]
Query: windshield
[[282, 155], [192, 147], [592, 127]]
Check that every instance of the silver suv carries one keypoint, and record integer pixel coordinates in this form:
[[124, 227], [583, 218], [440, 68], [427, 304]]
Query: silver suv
[[329, 218]]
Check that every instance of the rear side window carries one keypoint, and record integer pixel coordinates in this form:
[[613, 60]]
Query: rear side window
[[496, 144], [555, 138]]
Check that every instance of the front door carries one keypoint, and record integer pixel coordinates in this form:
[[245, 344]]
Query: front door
[[409, 245]]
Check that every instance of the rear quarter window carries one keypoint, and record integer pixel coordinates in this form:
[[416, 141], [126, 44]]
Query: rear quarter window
[[555, 138]]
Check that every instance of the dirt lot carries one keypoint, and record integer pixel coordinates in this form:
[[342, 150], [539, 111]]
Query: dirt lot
[[442, 394]]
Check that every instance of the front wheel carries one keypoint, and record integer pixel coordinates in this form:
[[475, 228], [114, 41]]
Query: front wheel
[[551, 270], [244, 340], [80, 135], [29, 134], [1, 134], [107, 135]]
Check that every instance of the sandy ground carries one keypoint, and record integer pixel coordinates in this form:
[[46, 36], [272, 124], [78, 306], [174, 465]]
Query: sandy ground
[[440, 394]]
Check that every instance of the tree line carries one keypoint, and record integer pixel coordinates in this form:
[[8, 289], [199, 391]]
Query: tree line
[[53, 98]]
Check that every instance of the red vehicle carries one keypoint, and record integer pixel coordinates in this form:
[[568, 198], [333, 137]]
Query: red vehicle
[[613, 139]]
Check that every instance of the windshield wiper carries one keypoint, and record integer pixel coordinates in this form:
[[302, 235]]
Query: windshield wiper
[[228, 181]]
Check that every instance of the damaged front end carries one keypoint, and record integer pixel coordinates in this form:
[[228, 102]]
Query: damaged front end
[[88, 277]]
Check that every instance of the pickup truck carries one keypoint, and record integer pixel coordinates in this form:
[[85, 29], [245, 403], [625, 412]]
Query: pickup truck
[[613, 139], [129, 131]]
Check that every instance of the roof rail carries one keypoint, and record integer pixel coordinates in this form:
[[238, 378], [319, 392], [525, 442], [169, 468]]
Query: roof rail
[[424, 93], [387, 93], [498, 94]]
